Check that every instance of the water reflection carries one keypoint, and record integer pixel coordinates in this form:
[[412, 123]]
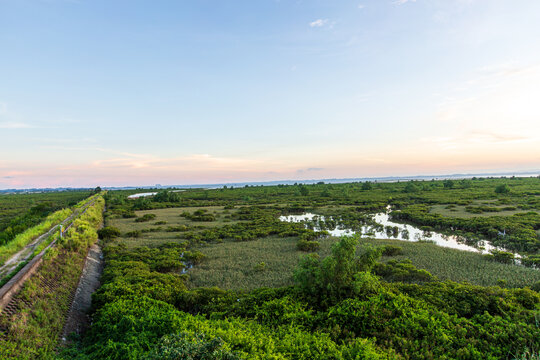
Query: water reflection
[[387, 229]]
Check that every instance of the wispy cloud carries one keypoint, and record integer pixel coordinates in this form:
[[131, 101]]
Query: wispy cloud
[[475, 138], [8, 120], [500, 97], [15, 125], [318, 23], [361, 6], [507, 69], [401, 2], [194, 161]]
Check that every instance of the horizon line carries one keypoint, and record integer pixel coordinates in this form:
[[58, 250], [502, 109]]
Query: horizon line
[[392, 178]]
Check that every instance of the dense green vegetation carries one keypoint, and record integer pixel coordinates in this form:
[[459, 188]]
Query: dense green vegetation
[[281, 257], [253, 292], [33, 332], [338, 308], [19, 212], [418, 202]]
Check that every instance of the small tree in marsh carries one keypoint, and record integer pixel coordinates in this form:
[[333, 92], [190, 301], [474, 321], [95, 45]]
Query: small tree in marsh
[[342, 274], [304, 191], [448, 184], [502, 189], [367, 186]]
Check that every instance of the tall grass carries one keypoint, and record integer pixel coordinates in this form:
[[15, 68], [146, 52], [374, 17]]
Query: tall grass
[[237, 265], [233, 265], [461, 266]]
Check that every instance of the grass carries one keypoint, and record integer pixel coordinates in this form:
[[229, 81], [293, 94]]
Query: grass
[[171, 217], [459, 211], [25, 238], [40, 319], [233, 265], [461, 266], [14, 272], [14, 205], [44, 300], [236, 265]]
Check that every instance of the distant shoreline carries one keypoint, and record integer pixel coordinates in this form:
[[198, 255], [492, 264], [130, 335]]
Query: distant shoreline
[[286, 182]]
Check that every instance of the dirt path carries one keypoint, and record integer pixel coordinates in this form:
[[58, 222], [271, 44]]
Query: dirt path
[[78, 319], [25, 253]]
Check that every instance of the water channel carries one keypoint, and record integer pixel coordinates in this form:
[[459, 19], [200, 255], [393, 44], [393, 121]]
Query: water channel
[[388, 229]]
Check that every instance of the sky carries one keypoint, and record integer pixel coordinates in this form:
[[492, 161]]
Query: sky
[[133, 92]]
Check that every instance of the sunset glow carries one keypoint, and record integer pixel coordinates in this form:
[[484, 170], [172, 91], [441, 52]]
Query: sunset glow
[[114, 93]]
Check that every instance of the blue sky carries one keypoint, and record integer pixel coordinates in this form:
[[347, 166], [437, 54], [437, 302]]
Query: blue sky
[[171, 92]]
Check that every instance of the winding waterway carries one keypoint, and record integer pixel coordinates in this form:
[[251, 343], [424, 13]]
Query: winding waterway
[[397, 231]]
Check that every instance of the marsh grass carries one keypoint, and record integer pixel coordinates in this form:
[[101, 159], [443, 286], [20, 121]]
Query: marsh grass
[[169, 217], [236, 265], [460, 211], [231, 265], [460, 266]]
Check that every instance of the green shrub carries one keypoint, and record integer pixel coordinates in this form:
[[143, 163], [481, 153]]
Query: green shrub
[[108, 232], [129, 214], [190, 346], [146, 217], [130, 328], [333, 278], [502, 189], [80, 235], [260, 267], [531, 261], [401, 271], [308, 246], [504, 257], [392, 250], [134, 233]]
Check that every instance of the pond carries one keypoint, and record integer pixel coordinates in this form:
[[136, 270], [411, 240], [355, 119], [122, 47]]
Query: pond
[[136, 196], [388, 229]]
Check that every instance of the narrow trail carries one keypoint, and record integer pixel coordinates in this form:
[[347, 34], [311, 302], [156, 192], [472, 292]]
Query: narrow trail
[[78, 320], [25, 253], [9, 290]]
